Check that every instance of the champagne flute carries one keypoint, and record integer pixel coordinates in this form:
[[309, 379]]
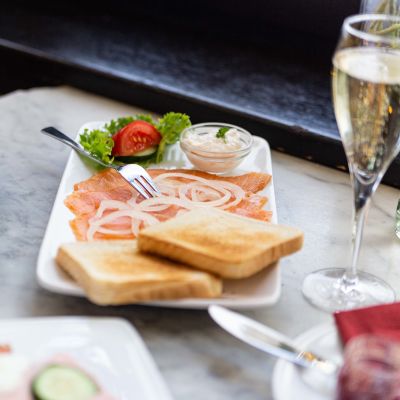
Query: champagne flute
[[366, 97]]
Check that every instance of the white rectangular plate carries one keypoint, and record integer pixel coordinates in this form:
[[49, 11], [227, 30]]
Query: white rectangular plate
[[109, 349], [260, 290]]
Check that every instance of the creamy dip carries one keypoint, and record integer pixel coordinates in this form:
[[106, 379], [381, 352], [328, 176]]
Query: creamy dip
[[206, 139]]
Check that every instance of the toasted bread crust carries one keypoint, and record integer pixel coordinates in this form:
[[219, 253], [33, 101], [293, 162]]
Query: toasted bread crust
[[131, 277], [206, 262], [216, 241]]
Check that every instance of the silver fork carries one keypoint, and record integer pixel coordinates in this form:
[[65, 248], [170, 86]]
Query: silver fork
[[134, 174]]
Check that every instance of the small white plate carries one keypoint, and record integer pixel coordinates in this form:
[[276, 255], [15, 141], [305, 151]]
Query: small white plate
[[289, 381], [260, 290], [109, 349]]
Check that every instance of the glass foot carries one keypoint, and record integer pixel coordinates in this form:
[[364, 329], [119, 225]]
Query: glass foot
[[325, 290]]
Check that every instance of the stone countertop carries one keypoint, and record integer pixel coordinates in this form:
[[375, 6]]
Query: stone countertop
[[197, 359]]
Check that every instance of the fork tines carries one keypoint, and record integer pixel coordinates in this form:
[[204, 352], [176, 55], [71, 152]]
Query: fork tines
[[149, 181], [138, 177], [145, 187]]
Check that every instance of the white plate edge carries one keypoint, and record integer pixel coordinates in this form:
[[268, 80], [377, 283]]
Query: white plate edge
[[281, 365]]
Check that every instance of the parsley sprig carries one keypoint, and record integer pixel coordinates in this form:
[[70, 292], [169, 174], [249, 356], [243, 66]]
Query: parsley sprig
[[221, 132]]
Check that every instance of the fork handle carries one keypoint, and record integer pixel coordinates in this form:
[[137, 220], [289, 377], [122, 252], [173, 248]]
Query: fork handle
[[56, 134]]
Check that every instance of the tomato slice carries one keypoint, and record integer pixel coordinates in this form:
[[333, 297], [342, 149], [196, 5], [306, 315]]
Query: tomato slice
[[135, 137]]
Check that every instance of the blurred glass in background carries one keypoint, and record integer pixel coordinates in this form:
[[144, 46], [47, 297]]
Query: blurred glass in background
[[380, 7]]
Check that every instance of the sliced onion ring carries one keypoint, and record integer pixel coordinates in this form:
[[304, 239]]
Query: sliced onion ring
[[183, 190], [94, 225]]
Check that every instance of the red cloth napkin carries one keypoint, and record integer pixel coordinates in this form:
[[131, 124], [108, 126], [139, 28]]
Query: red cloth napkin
[[383, 320]]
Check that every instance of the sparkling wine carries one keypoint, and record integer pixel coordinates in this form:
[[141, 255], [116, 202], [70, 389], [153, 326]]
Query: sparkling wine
[[366, 92]]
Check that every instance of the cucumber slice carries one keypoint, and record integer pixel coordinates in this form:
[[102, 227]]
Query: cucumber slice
[[140, 156], [146, 152], [59, 382]]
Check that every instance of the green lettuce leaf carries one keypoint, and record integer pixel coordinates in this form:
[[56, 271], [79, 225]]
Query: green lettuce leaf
[[98, 143], [170, 126]]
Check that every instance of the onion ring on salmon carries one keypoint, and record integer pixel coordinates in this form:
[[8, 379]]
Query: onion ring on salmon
[[110, 205], [95, 224]]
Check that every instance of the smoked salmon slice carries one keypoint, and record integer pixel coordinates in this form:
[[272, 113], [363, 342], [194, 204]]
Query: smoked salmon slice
[[250, 182], [87, 196]]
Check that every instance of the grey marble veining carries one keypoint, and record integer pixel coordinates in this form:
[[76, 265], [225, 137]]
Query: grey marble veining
[[197, 359]]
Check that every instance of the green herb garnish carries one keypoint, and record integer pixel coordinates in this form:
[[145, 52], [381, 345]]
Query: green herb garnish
[[221, 132], [99, 143]]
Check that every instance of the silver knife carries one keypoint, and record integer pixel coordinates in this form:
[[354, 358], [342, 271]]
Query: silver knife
[[268, 340]]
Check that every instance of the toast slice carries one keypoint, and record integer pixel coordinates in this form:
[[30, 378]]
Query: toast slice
[[217, 241], [114, 272]]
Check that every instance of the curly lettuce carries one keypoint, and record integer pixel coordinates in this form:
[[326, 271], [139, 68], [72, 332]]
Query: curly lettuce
[[170, 126], [98, 143]]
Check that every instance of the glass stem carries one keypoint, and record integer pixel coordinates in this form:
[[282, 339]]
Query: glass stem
[[362, 197]]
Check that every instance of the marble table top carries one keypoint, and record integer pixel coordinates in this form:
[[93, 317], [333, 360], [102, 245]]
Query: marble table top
[[197, 359]]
